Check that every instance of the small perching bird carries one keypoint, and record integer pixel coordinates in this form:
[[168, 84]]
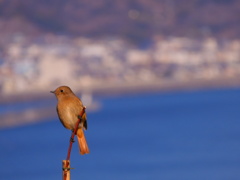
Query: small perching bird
[[69, 107]]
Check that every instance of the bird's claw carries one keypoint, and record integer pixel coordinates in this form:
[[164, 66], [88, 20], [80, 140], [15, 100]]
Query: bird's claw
[[80, 117], [72, 140]]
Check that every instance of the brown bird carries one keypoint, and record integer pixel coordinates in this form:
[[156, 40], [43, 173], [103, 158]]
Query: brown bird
[[69, 107]]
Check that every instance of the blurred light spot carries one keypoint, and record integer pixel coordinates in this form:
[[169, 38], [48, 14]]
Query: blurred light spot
[[133, 14]]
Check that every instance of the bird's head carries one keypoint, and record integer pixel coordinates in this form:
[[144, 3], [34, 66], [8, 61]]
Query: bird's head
[[62, 91]]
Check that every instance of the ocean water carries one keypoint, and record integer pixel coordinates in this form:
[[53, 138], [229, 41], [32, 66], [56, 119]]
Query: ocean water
[[168, 136]]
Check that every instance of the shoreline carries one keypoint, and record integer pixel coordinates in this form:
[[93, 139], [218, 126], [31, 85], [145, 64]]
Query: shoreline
[[130, 88], [34, 115]]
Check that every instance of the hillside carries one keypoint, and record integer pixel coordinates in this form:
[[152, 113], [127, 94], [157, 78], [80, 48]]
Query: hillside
[[136, 20]]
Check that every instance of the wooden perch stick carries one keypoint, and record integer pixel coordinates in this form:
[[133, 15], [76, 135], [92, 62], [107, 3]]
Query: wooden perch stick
[[66, 170], [66, 163]]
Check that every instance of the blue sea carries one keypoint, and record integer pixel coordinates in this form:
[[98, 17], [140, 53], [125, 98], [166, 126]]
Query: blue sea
[[187, 135]]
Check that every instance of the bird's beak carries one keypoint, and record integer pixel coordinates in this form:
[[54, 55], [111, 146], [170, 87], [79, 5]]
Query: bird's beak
[[52, 92]]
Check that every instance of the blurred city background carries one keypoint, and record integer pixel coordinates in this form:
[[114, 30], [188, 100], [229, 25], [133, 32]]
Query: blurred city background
[[117, 46], [165, 68]]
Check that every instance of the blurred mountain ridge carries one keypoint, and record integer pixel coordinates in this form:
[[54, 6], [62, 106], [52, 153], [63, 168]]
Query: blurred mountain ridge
[[133, 20]]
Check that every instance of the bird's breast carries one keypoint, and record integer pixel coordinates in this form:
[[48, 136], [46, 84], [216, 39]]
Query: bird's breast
[[68, 114]]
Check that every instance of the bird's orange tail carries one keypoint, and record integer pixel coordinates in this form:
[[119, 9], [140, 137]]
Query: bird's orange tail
[[83, 147]]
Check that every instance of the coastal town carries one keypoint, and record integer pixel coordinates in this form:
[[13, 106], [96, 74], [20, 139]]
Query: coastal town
[[117, 46], [88, 64], [103, 47]]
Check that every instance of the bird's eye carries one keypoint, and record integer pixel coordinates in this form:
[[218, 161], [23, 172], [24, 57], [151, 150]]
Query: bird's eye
[[61, 90]]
